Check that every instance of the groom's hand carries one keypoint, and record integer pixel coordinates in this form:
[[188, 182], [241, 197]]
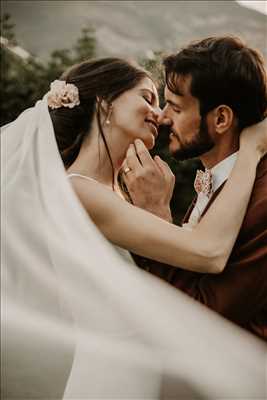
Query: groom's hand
[[150, 182]]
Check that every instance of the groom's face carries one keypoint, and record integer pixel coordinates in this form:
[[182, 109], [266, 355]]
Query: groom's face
[[189, 132]]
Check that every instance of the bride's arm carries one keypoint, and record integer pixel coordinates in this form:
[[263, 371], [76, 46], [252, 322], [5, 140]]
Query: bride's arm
[[204, 249]]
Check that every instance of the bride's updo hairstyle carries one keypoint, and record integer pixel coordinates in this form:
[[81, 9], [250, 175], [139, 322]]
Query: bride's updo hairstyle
[[96, 80]]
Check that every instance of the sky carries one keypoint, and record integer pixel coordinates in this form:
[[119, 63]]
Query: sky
[[256, 5]]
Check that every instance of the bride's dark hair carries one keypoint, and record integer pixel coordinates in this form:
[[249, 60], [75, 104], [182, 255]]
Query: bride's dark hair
[[96, 80]]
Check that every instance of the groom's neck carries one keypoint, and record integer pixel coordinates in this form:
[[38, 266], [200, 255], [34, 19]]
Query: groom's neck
[[220, 151]]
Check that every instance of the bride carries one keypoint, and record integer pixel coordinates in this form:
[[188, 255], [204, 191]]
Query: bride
[[79, 319]]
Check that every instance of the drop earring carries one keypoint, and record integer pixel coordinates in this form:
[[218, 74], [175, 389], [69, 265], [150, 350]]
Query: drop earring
[[107, 122]]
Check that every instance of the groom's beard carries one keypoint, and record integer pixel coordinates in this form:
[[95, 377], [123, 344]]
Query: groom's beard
[[201, 144]]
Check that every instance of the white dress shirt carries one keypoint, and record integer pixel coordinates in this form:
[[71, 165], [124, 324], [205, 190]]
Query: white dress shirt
[[220, 174]]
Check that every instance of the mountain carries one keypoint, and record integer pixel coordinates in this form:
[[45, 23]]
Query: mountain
[[134, 28]]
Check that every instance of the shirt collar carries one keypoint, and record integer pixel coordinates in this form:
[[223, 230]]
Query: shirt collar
[[222, 170]]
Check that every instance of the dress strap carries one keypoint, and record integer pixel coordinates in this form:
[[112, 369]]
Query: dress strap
[[92, 179], [81, 176]]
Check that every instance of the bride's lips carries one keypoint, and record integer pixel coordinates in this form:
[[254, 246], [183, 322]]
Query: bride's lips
[[154, 126]]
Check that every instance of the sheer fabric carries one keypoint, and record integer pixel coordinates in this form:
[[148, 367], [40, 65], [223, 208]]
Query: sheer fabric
[[78, 320]]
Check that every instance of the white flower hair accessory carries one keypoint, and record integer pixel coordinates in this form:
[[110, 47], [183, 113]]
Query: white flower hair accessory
[[63, 94]]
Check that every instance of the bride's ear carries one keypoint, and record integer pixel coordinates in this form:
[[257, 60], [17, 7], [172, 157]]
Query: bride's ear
[[106, 108], [104, 105]]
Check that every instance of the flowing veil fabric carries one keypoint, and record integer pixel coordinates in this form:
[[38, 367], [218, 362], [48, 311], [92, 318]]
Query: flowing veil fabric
[[78, 321]]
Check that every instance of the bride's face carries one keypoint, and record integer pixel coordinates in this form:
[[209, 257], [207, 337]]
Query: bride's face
[[135, 113]]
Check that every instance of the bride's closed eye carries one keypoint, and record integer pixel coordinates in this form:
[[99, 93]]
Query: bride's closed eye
[[148, 100]]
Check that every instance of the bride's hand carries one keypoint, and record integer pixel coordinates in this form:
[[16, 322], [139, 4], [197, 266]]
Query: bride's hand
[[254, 139]]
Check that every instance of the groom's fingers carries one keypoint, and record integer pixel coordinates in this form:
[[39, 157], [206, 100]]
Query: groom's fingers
[[166, 171], [140, 166], [132, 160]]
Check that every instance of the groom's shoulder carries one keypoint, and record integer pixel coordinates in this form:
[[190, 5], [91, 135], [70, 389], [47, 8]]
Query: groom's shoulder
[[256, 216], [262, 169], [259, 194]]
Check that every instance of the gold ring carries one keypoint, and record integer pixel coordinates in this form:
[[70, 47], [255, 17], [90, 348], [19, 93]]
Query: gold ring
[[126, 170]]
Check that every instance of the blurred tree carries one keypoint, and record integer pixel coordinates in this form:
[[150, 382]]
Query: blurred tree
[[7, 28], [25, 80], [85, 45]]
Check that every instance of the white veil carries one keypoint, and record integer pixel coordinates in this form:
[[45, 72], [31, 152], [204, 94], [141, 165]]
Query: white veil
[[78, 321]]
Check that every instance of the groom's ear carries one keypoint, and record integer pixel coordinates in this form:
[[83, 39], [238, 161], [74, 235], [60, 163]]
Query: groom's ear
[[223, 118]]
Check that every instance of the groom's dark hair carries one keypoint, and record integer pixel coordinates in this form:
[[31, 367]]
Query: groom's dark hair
[[224, 71]]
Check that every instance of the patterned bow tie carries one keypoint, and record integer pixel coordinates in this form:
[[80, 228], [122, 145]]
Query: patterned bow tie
[[203, 182]]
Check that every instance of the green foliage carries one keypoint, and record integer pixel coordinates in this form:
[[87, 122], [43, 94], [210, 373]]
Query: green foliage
[[155, 67], [85, 46], [26, 81]]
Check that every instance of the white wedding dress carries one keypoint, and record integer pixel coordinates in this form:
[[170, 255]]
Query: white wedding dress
[[78, 320]]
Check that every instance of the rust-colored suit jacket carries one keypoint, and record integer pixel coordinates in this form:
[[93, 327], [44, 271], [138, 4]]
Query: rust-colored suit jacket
[[239, 293]]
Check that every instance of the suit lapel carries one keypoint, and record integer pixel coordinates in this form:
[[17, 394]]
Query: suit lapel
[[191, 207], [189, 210], [213, 197]]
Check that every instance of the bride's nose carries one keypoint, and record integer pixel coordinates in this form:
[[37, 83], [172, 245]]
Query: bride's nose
[[157, 111], [162, 118]]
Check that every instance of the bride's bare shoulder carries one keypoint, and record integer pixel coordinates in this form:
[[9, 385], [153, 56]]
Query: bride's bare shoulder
[[95, 197]]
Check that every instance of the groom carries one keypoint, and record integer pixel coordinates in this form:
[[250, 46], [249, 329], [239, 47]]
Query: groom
[[214, 88]]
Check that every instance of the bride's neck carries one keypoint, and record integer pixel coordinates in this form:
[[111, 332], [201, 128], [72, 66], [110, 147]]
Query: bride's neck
[[93, 159]]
